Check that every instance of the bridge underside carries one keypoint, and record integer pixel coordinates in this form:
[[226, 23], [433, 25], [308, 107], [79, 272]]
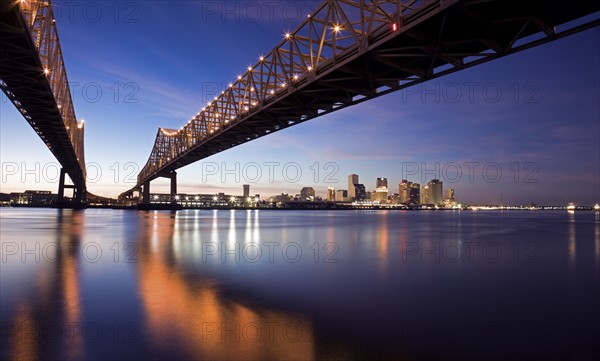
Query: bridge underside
[[23, 80], [444, 40]]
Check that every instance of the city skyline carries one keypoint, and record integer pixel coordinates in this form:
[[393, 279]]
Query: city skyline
[[540, 131]]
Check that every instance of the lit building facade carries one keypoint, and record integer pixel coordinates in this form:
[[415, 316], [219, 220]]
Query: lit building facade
[[330, 194], [436, 191], [307, 194], [352, 181]]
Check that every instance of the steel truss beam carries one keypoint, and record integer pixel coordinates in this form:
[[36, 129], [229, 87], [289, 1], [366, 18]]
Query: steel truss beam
[[34, 78]]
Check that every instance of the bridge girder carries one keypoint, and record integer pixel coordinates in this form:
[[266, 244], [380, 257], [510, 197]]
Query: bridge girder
[[34, 78]]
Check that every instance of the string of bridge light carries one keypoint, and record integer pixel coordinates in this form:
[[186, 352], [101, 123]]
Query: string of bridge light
[[170, 133], [336, 29]]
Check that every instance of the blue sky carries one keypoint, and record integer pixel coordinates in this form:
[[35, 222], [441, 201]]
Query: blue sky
[[137, 66]]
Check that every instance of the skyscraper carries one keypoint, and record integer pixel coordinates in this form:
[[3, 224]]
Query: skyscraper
[[307, 194], [381, 192], [404, 191], [436, 191], [450, 194], [330, 194], [360, 193], [424, 195], [246, 190], [415, 193], [352, 181]]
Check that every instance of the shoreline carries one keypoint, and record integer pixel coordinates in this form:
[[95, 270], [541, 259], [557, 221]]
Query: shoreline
[[169, 207]]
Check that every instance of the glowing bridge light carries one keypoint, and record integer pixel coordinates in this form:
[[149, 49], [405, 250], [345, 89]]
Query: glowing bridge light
[[394, 27], [262, 58], [230, 85], [295, 77], [239, 77], [46, 71], [288, 35], [252, 89], [337, 28], [310, 68], [249, 68]]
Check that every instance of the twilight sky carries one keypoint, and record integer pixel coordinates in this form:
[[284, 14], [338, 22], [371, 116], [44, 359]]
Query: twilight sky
[[525, 126]]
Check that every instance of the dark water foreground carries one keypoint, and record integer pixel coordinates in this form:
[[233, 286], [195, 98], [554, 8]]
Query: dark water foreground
[[258, 285]]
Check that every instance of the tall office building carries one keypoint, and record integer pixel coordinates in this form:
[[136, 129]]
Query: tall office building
[[450, 194], [415, 193], [404, 191], [381, 192], [352, 181], [330, 194], [246, 190], [307, 194], [424, 196], [341, 195], [360, 193], [436, 191]]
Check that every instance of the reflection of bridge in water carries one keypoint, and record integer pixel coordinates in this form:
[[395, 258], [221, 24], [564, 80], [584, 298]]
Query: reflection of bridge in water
[[171, 306], [349, 51]]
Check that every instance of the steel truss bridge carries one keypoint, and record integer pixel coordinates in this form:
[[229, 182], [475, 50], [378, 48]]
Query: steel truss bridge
[[33, 77], [349, 51]]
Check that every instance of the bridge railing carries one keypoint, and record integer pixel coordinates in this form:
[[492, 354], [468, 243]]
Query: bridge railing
[[336, 30], [41, 23]]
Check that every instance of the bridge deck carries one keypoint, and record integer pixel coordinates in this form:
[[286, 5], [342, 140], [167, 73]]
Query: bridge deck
[[24, 81]]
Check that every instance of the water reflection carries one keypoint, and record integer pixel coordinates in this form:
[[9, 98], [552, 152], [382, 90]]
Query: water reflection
[[382, 242], [382, 299], [189, 311], [597, 237], [572, 242], [47, 322]]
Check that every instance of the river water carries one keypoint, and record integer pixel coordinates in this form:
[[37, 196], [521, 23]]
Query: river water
[[298, 285]]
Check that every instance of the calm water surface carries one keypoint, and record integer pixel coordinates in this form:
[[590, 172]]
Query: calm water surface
[[257, 285]]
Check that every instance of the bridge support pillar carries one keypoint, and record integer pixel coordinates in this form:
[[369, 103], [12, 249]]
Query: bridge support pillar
[[60, 198], [79, 195], [146, 193], [173, 177]]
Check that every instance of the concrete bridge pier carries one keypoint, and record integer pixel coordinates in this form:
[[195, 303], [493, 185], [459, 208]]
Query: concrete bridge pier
[[79, 194], [145, 199], [173, 177]]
